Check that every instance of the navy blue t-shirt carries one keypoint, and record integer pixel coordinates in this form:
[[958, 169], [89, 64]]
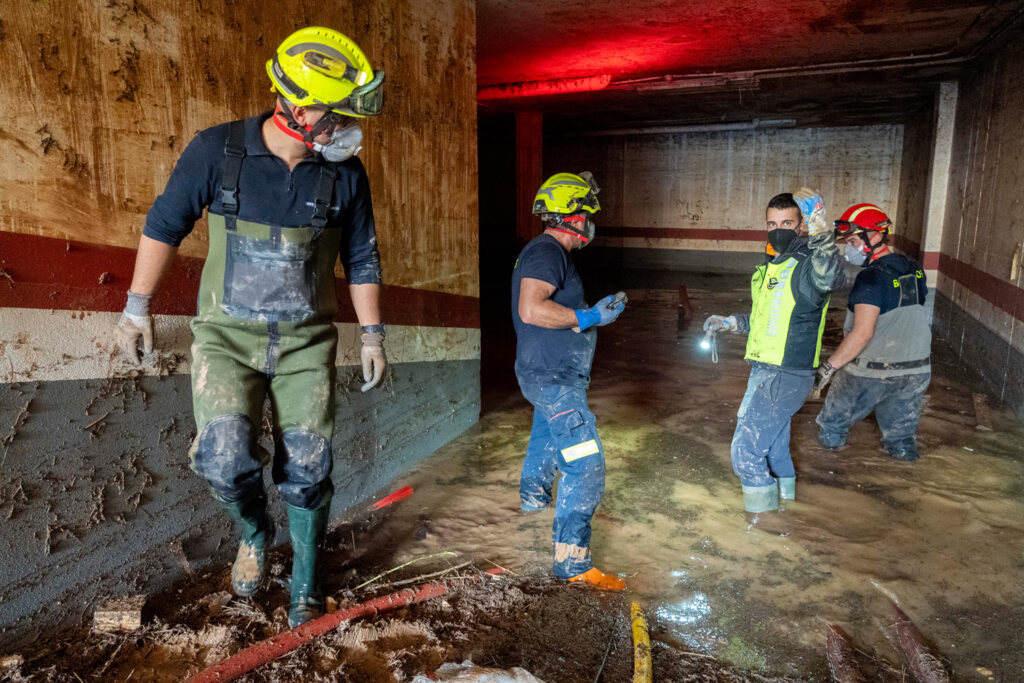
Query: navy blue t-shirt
[[269, 193], [874, 285], [545, 356]]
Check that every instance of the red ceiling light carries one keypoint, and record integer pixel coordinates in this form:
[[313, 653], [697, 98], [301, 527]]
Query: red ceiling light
[[537, 88]]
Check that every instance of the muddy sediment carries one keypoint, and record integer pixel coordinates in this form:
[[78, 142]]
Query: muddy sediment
[[726, 599]]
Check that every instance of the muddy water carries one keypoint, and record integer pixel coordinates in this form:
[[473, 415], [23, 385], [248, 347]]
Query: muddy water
[[944, 536]]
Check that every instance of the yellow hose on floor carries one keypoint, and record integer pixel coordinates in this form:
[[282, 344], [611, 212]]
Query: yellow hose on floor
[[642, 671]]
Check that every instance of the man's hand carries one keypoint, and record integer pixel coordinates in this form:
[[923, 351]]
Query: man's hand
[[135, 323], [813, 209], [603, 312], [825, 372], [721, 323], [374, 360]]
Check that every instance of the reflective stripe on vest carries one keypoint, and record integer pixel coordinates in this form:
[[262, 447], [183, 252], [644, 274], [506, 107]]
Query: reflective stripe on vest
[[783, 330]]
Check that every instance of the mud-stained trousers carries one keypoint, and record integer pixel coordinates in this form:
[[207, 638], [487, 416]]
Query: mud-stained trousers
[[564, 439], [233, 368], [760, 444], [896, 402]]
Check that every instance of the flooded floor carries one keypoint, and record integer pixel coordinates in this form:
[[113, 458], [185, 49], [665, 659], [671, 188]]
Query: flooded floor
[[943, 536]]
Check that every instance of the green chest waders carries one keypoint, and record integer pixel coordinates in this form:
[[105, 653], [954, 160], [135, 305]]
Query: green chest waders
[[264, 327]]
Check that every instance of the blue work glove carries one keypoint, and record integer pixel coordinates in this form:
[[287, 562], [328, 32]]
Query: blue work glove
[[812, 206], [603, 312]]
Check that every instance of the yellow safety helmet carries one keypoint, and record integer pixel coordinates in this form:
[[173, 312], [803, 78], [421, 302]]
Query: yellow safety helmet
[[320, 66], [566, 193]]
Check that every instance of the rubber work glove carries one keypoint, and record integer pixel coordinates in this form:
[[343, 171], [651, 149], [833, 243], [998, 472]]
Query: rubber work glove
[[374, 360], [603, 312], [825, 372], [135, 323], [721, 323], [813, 209]]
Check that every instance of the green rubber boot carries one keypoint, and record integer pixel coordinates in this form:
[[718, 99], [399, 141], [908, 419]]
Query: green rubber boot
[[306, 528], [249, 571], [761, 498], [787, 488]]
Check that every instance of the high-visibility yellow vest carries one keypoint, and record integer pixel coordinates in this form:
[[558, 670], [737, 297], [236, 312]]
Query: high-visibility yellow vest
[[785, 328]]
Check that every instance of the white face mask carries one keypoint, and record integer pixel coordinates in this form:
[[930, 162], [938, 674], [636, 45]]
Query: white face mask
[[854, 255], [346, 142]]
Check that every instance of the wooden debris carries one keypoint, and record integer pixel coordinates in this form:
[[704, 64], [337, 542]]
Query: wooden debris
[[926, 667], [842, 661], [11, 661], [982, 415], [119, 615]]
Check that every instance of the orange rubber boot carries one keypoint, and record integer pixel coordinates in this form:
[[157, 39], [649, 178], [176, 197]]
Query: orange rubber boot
[[598, 579]]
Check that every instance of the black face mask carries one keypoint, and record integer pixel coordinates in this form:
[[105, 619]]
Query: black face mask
[[780, 239]]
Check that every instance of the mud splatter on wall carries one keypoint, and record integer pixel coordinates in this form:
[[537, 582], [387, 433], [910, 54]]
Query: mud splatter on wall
[[103, 96]]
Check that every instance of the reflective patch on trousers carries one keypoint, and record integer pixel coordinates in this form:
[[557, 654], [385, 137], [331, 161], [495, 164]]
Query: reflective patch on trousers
[[270, 280], [581, 450], [566, 551]]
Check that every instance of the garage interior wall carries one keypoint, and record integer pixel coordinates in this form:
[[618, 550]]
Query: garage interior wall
[[95, 492], [696, 201], [979, 305]]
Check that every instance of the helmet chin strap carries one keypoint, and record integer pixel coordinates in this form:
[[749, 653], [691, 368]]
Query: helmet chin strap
[[571, 232], [287, 124]]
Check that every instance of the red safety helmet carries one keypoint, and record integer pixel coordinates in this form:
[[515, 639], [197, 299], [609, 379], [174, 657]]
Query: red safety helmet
[[861, 217]]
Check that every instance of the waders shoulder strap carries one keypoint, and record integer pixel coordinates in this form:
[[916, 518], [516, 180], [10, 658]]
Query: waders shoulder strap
[[234, 152], [324, 194]]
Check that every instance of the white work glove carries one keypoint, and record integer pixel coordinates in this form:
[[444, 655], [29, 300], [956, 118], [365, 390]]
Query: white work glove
[[825, 373], [135, 323], [813, 209], [374, 361], [721, 323]]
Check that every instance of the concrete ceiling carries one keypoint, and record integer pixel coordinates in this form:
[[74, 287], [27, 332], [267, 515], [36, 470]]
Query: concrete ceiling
[[819, 61]]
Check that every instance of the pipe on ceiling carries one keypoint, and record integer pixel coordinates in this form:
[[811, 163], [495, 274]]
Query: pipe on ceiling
[[756, 124]]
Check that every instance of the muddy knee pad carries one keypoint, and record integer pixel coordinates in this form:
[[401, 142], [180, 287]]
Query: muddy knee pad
[[302, 469], [225, 455]]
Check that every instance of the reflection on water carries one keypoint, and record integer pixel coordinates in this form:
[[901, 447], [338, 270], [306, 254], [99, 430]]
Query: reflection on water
[[944, 536]]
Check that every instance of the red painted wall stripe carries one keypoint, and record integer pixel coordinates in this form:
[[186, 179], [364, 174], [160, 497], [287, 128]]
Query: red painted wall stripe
[[721, 234], [1000, 293], [49, 273]]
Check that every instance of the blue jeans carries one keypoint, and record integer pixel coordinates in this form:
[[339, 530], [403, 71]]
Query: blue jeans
[[760, 444], [896, 402], [564, 439]]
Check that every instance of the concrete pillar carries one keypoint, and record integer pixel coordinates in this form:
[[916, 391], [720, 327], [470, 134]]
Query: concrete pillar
[[931, 242], [529, 171]]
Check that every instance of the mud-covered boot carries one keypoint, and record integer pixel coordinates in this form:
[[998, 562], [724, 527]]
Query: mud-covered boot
[[761, 498], [249, 571], [787, 488], [306, 528]]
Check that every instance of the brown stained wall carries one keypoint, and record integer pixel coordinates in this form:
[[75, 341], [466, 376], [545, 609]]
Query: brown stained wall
[[103, 96], [984, 212], [910, 216], [706, 192]]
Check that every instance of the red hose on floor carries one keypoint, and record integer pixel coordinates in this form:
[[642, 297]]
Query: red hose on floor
[[256, 655]]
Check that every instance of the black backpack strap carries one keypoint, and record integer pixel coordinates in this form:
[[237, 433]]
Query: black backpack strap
[[234, 152], [324, 194]]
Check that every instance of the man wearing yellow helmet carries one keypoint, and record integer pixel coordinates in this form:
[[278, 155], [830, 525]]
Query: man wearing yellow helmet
[[286, 196], [556, 335]]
